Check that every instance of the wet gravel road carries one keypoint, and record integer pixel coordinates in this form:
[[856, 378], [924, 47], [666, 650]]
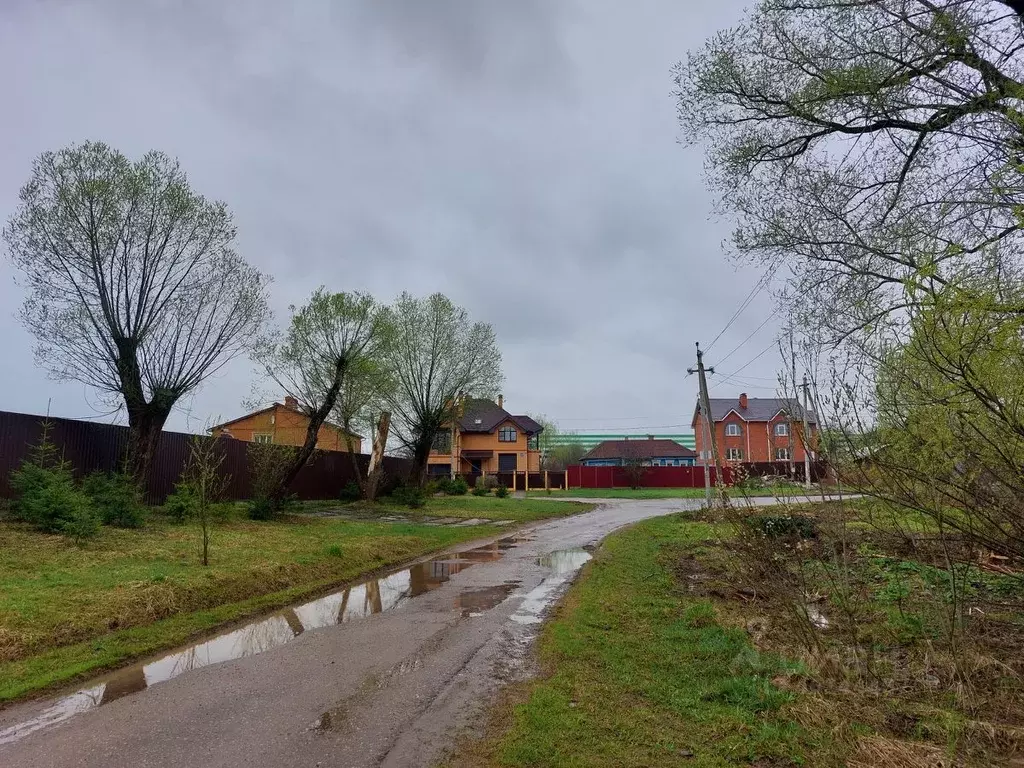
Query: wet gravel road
[[380, 674]]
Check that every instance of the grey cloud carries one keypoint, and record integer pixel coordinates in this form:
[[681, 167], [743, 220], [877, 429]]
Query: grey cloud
[[520, 157]]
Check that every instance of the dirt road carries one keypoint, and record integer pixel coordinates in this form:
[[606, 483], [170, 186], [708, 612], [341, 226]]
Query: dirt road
[[380, 674]]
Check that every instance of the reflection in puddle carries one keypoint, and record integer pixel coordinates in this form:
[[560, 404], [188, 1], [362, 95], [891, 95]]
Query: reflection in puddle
[[563, 564], [473, 602], [370, 597], [564, 561]]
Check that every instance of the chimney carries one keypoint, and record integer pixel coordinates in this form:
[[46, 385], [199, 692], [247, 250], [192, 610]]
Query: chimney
[[501, 401], [291, 402], [743, 401]]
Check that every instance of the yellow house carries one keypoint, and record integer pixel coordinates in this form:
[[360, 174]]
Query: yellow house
[[285, 424], [486, 439]]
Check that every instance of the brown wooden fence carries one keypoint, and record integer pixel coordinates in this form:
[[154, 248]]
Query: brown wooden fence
[[91, 447]]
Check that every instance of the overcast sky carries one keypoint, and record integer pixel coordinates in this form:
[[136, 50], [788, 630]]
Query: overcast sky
[[521, 157]]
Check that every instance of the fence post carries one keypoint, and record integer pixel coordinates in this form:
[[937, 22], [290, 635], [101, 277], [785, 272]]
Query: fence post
[[527, 479]]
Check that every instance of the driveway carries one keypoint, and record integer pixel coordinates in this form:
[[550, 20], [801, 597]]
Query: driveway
[[380, 674]]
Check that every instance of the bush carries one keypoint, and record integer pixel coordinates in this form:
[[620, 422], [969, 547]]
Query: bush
[[181, 505], [481, 490], [266, 508], [116, 499], [46, 495], [350, 492], [784, 526], [457, 487], [433, 487], [501, 491], [80, 523], [409, 496]]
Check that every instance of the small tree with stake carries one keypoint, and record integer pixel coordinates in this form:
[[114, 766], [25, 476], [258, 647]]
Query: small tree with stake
[[205, 484]]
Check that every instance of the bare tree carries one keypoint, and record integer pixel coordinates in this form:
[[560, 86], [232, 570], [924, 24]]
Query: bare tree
[[636, 460], [133, 287], [361, 402], [437, 353], [205, 484], [330, 344], [871, 146]]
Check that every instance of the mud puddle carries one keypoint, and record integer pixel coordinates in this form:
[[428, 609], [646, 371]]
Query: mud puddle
[[563, 564], [358, 601], [474, 602]]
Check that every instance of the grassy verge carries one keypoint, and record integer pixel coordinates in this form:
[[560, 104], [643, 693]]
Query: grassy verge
[[67, 611], [469, 506], [662, 493], [824, 635], [637, 673]]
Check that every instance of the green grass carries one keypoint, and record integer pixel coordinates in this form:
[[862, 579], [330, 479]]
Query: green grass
[[484, 507], [67, 611], [661, 493], [640, 674]]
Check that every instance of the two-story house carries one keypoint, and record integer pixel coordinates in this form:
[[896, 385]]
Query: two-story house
[[486, 439], [756, 429], [285, 424]]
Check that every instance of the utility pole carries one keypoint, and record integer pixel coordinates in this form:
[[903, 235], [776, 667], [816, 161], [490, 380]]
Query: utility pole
[[806, 437], [792, 421], [705, 406]]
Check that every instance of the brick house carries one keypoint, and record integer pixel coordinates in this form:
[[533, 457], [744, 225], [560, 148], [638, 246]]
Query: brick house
[[756, 429], [651, 451], [285, 424], [486, 439]]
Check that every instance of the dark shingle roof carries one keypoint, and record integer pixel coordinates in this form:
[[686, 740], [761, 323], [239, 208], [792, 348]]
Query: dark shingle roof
[[758, 408], [641, 448], [490, 416]]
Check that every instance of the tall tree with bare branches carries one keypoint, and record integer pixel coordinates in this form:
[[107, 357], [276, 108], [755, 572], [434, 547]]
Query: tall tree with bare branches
[[437, 353], [133, 286], [873, 148]]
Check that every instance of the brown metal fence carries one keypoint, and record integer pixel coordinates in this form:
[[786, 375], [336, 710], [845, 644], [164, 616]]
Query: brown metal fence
[[90, 447]]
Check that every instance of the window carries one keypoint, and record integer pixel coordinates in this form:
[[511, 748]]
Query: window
[[442, 442], [533, 443], [733, 454], [507, 435], [262, 437], [781, 429], [733, 430], [782, 454]]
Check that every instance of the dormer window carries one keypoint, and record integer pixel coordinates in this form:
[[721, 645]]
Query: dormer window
[[507, 435]]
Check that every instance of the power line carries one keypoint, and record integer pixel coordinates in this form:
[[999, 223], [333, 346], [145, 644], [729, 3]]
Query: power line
[[759, 286], [749, 337], [751, 360]]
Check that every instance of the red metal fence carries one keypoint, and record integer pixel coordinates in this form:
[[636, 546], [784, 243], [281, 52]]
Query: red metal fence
[[653, 477], [90, 447]]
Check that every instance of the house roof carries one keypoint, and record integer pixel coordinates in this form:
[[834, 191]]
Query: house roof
[[758, 409], [640, 448], [481, 415], [276, 407]]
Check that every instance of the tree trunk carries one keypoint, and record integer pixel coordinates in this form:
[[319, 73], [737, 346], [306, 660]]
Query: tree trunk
[[421, 453], [316, 420], [145, 423], [355, 462]]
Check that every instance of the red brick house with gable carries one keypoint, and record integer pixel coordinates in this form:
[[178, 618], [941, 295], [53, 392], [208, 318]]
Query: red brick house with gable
[[756, 429]]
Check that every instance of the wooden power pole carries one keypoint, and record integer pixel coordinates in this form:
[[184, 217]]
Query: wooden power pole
[[705, 407], [806, 437]]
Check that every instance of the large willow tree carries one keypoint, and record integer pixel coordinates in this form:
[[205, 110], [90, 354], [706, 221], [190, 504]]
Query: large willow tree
[[132, 283]]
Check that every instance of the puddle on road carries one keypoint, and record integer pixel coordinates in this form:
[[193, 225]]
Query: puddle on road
[[564, 561], [474, 602], [563, 564], [358, 601]]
